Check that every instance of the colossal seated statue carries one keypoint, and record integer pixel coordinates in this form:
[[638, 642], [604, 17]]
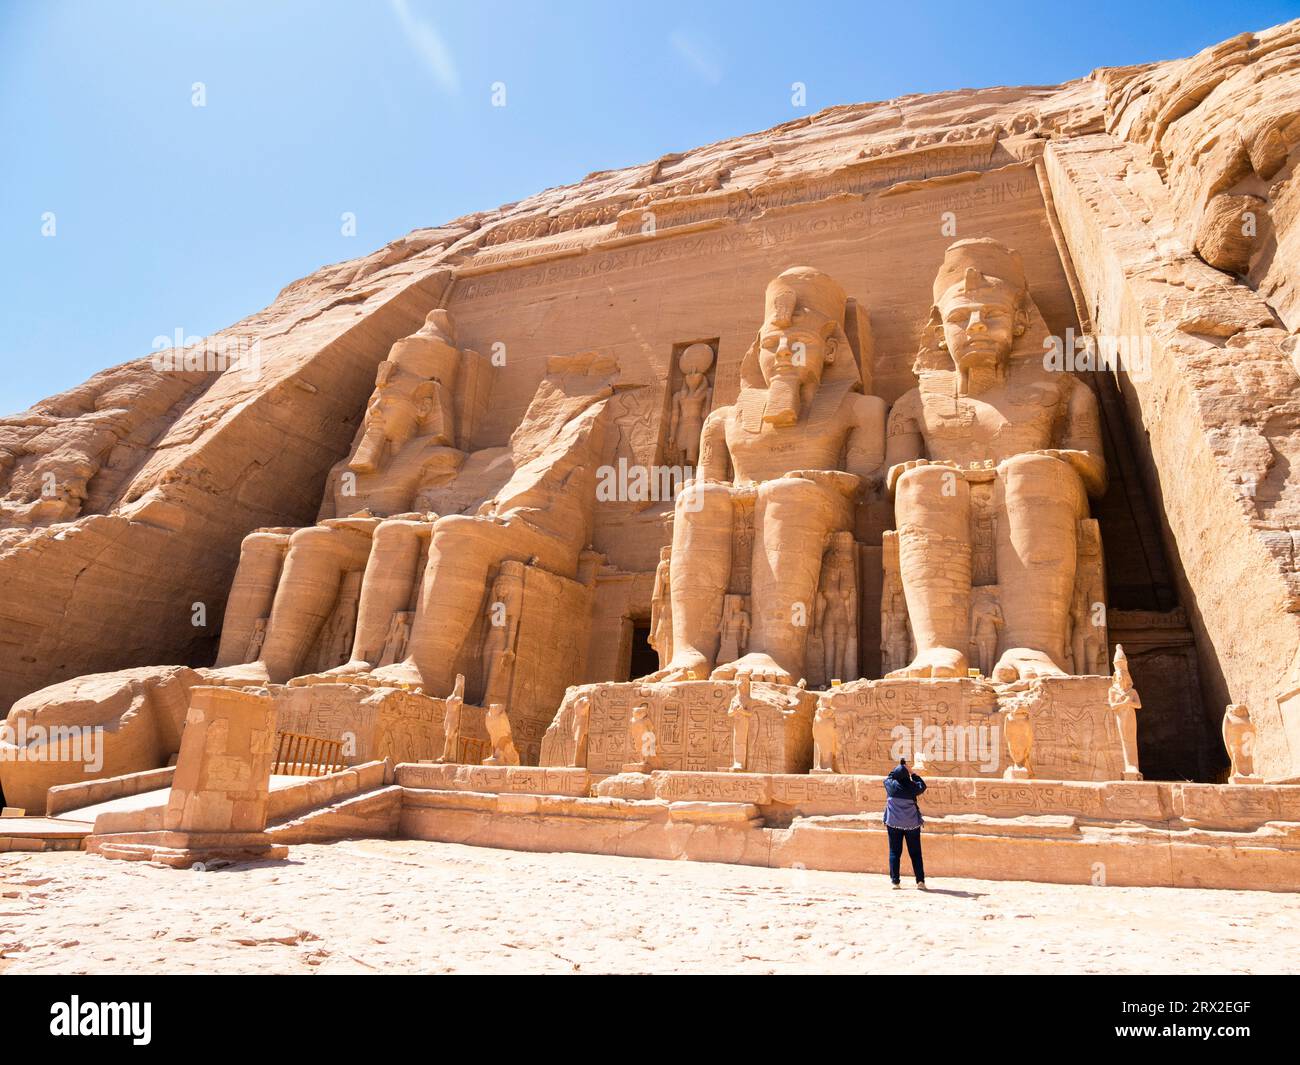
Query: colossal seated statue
[[991, 460], [794, 452], [292, 583], [543, 515], [382, 579]]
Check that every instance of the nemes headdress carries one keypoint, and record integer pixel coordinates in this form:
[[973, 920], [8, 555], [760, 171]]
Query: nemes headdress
[[978, 263], [430, 353], [805, 297]]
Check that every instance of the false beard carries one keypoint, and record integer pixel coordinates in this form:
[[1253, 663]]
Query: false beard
[[370, 452], [783, 400]]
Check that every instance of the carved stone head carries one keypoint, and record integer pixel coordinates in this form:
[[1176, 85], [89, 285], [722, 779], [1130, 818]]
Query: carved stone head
[[695, 362], [407, 401], [801, 336], [981, 303], [842, 547], [1122, 678]]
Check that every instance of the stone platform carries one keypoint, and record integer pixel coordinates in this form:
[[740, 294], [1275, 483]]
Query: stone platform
[[377, 722], [1131, 833], [42, 834], [691, 727], [950, 727], [183, 850], [954, 727]]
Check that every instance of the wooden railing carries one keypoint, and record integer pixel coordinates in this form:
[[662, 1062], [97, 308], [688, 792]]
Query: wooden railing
[[297, 755]]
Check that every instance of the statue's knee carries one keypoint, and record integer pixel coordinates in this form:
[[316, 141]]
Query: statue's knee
[[456, 532], [703, 495], [1020, 467], [261, 543], [1043, 479], [395, 532], [930, 486], [793, 490], [313, 539]]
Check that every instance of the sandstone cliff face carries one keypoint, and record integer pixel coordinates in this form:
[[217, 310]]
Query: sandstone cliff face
[[1179, 221], [125, 500], [155, 476]]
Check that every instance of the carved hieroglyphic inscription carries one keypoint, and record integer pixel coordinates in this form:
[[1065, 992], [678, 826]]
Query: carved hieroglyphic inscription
[[376, 722], [955, 728], [691, 727]]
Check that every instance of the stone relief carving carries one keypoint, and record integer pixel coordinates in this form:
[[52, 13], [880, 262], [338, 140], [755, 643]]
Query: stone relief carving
[[1124, 702], [735, 627], [690, 405], [505, 602], [642, 741], [499, 736], [661, 613], [452, 707], [825, 738], [836, 620], [1239, 741]]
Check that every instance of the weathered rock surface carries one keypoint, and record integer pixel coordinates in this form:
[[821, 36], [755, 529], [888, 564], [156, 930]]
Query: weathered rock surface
[[126, 500]]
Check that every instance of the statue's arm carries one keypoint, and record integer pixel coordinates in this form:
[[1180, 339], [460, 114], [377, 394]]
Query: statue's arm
[[713, 447], [438, 463], [329, 502], [1081, 443], [904, 440], [866, 447]]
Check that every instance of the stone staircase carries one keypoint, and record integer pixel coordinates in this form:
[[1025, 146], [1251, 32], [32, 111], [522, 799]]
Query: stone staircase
[[95, 816], [373, 813]]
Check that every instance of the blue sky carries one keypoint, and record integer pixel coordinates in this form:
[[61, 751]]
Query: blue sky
[[169, 216]]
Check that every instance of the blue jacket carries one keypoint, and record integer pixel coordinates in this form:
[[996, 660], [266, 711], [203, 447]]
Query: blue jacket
[[902, 788]]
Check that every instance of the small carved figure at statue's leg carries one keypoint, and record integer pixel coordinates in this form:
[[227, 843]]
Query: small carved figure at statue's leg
[[932, 506], [832, 646], [701, 565], [1039, 500]]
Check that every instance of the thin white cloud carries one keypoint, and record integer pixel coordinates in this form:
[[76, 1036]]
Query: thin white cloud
[[698, 54], [424, 37]]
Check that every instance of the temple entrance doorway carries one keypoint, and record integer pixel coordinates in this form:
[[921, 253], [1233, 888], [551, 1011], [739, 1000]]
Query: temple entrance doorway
[[644, 658]]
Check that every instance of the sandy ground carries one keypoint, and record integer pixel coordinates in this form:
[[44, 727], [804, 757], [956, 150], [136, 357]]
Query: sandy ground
[[400, 906]]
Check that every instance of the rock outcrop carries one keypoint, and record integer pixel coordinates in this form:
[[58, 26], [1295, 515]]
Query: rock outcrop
[[1154, 208]]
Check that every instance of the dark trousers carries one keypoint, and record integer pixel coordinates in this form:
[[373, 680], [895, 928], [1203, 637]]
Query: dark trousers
[[913, 837]]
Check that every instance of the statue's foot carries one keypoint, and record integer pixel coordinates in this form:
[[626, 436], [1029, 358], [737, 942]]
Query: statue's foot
[[1024, 664], [935, 662], [686, 665], [349, 671], [398, 675], [247, 673], [757, 666]]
